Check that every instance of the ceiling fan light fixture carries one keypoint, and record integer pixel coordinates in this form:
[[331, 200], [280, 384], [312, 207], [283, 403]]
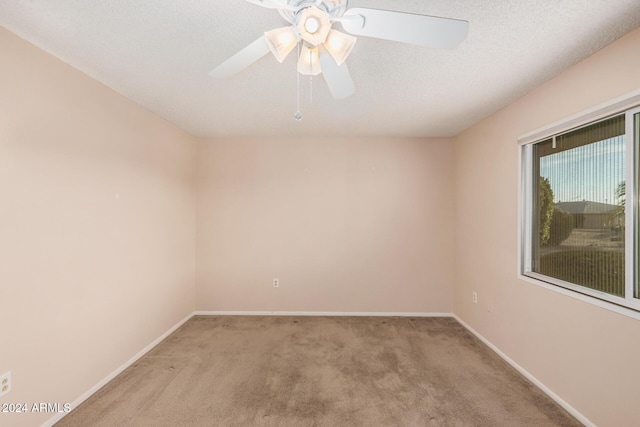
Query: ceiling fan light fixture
[[309, 61], [339, 45], [281, 41], [310, 24], [313, 25]]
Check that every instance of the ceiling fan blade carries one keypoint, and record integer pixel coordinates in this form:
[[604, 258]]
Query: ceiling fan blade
[[241, 60], [423, 30], [337, 76]]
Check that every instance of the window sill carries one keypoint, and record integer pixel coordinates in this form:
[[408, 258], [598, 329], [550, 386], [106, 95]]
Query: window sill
[[625, 311]]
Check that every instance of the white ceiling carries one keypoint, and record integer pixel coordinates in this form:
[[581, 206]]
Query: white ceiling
[[158, 53]]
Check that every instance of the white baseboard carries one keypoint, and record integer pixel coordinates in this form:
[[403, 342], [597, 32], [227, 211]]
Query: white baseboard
[[570, 409], [321, 313], [50, 422]]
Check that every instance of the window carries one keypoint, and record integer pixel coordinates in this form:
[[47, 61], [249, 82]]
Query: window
[[579, 209]]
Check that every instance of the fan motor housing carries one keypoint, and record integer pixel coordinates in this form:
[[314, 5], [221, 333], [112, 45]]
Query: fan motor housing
[[333, 8]]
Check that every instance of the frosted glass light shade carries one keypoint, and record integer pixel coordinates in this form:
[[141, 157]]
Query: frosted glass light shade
[[309, 61], [281, 41], [339, 45]]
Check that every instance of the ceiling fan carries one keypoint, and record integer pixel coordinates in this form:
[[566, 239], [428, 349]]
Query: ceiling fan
[[324, 49]]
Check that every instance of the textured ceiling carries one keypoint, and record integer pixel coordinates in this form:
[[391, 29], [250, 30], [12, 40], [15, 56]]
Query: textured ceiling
[[158, 53]]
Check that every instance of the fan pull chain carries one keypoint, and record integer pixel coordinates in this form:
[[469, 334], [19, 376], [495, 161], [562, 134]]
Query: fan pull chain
[[298, 114], [310, 77]]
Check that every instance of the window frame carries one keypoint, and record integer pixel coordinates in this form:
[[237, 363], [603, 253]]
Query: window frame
[[630, 106]]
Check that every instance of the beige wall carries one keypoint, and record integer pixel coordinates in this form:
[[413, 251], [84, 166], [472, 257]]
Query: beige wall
[[97, 223], [347, 225], [587, 355]]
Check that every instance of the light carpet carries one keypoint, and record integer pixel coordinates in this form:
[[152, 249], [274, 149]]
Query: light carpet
[[319, 371]]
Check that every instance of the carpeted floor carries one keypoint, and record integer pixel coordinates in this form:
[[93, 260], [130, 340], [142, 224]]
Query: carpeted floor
[[320, 371]]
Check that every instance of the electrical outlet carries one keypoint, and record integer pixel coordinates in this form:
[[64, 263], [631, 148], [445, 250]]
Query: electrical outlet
[[276, 283], [5, 383], [474, 297]]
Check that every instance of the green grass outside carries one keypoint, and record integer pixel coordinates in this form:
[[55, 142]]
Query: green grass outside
[[599, 270]]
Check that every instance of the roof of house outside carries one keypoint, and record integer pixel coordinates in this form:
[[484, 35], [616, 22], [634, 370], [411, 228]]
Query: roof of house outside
[[587, 207]]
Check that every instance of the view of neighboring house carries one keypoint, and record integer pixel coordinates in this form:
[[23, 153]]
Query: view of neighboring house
[[592, 215]]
